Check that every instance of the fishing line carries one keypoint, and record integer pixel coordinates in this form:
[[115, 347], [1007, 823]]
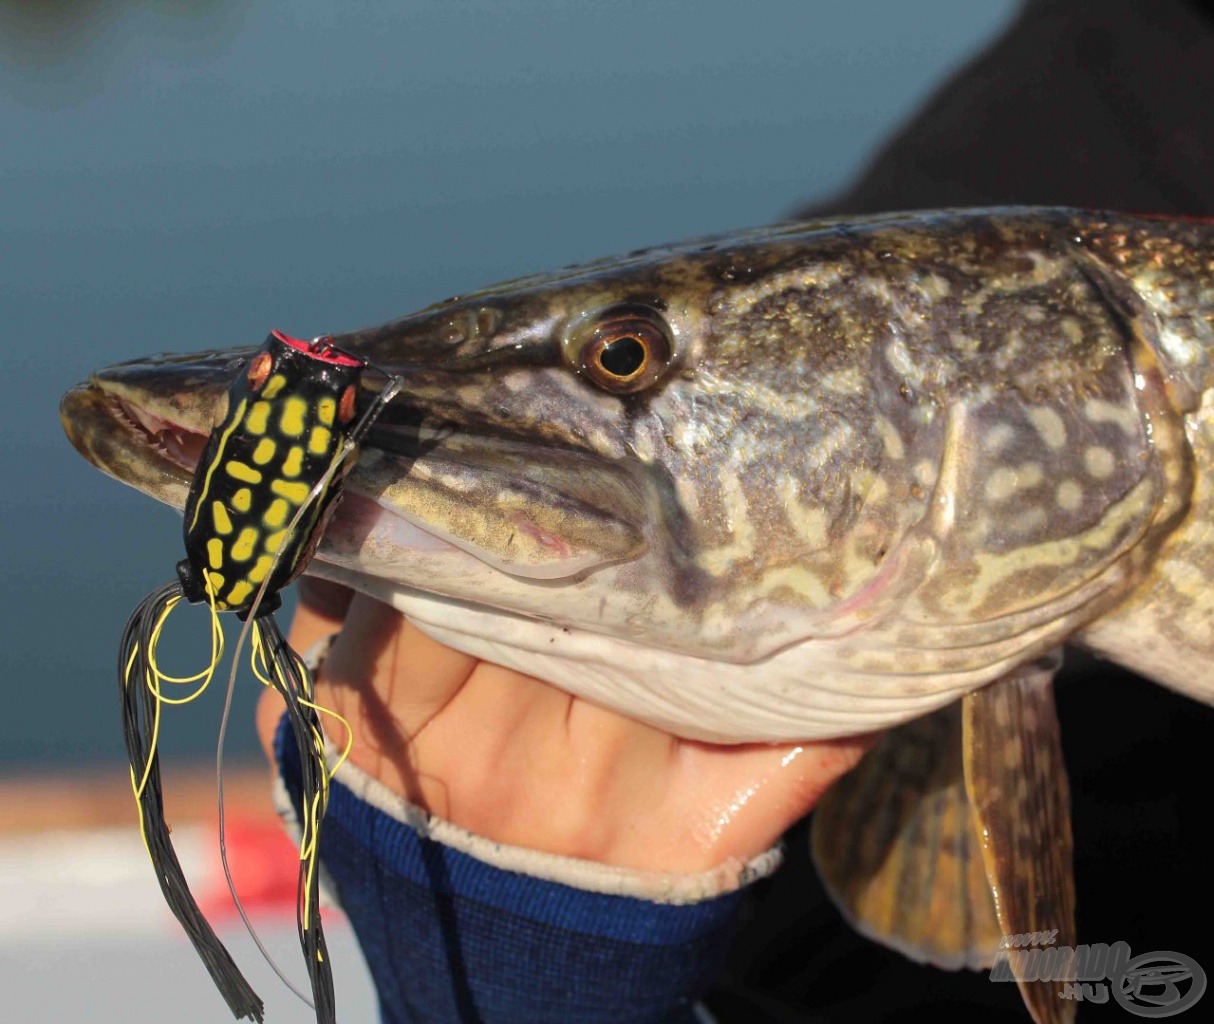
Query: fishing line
[[266, 680], [389, 391], [263, 491]]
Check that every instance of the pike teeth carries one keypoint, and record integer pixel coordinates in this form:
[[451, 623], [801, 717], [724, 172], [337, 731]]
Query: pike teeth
[[170, 440]]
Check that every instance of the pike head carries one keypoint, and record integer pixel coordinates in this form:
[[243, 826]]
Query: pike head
[[798, 482]]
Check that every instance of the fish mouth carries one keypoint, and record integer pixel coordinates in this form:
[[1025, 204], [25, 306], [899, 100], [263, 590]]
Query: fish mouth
[[427, 491], [161, 437], [133, 445]]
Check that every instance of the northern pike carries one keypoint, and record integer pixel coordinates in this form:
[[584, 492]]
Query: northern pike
[[796, 483]]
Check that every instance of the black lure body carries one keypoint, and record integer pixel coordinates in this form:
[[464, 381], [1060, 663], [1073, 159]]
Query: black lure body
[[267, 483], [286, 423]]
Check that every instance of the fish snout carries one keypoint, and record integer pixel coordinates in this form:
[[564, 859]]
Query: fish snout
[[145, 422], [188, 391]]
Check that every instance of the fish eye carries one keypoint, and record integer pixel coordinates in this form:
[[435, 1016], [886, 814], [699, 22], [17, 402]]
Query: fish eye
[[259, 371], [622, 350]]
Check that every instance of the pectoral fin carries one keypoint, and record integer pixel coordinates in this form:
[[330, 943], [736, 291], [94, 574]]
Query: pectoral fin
[[955, 832], [895, 845], [1017, 786]]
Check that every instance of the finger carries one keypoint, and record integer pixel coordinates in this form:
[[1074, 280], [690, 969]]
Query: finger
[[320, 613], [742, 799], [270, 707], [324, 596], [393, 668], [389, 681]]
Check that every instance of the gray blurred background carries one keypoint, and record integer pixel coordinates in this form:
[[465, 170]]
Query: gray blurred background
[[181, 175]]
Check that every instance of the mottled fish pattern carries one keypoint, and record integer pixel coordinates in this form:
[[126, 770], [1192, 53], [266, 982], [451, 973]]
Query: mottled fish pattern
[[833, 476], [889, 459]]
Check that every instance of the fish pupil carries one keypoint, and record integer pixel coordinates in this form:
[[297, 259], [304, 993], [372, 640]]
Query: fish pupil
[[622, 357]]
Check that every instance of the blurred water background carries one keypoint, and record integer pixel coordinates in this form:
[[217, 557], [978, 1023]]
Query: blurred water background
[[182, 175], [177, 175]]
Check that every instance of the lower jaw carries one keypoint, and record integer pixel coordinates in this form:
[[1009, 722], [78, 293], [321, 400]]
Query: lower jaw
[[361, 524], [362, 536], [176, 444]]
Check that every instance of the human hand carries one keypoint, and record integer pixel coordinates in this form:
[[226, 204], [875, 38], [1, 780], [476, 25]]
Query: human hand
[[513, 759]]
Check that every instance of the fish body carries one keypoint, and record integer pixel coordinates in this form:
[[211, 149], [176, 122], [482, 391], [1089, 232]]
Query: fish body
[[799, 482]]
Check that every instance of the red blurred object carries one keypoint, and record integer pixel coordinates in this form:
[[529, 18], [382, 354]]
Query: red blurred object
[[265, 868]]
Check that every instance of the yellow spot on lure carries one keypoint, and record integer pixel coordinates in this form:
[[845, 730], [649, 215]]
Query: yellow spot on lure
[[261, 526]]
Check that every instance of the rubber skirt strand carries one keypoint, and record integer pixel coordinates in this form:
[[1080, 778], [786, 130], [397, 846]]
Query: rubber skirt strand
[[140, 713], [294, 682]]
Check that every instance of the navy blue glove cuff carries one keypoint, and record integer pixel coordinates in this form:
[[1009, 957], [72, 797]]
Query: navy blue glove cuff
[[449, 936]]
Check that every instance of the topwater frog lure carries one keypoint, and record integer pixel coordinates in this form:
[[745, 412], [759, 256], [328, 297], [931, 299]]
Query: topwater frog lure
[[267, 483]]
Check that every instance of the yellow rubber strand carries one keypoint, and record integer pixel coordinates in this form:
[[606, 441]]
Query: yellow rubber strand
[[203, 677]]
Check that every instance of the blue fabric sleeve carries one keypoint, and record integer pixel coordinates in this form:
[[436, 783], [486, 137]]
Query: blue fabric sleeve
[[450, 938]]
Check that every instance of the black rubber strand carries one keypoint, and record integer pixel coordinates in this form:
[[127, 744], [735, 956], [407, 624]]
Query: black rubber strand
[[138, 725], [291, 678]]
